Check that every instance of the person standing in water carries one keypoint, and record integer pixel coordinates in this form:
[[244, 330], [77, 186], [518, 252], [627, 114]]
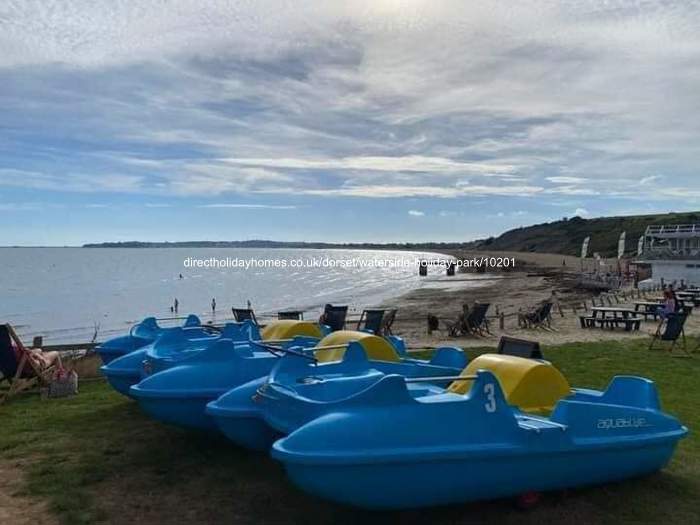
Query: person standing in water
[[213, 305], [176, 304]]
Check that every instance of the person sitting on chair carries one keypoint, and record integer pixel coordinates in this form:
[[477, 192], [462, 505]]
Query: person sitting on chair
[[41, 359], [669, 305]]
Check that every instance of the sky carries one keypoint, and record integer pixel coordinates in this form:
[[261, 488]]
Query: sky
[[381, 121]]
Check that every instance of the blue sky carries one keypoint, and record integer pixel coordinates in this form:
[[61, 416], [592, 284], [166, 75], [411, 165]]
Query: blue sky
[[383, 120]]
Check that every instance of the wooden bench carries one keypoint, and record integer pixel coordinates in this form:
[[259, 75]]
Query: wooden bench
[[629, 323]]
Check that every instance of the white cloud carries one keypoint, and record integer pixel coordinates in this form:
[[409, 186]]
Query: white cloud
[[416, 213], [567, 180], [249, 206], [360, 99], [650, 179], [581, 212], [395, 191], [410, 163]]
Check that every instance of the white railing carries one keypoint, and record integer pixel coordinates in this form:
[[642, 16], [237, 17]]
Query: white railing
[[692, 230]]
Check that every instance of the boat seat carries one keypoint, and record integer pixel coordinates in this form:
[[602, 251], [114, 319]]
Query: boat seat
[[289, 328], [531, 385], [376, 348]]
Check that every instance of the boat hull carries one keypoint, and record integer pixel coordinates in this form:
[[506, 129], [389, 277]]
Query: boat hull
[[454, 480], [384, 449], [180, 411], [238, 417], [125, 371]]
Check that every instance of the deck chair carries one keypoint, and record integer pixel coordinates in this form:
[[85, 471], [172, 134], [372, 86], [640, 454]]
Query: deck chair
[[371, 320], [476, 319], [519, 347], [459, 326], [334, 317], [244, 314], [540, 317], [388, 322], [23, 373], [671, 330]]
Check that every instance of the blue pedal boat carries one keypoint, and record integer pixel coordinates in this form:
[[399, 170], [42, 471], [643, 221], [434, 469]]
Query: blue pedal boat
[[140, 335], [172, 345], [386, 448], [179, 393], [254, 416]]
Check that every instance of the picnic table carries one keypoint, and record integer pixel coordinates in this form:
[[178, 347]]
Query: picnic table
[[689, 297], [648, 308], [612, 317]]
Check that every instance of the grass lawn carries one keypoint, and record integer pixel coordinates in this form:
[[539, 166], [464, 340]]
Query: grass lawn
[[96, 458]]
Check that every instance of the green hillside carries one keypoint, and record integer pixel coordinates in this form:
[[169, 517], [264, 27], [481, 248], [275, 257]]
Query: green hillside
[[567, 235]]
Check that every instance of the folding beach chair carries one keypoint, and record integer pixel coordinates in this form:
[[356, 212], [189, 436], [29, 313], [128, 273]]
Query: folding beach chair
[[371, 320], [334, 317], [540, 317], [459, 326], [388, 322], [18, 369], [670, 330], [244, 314], [476, 319], [519, 347]]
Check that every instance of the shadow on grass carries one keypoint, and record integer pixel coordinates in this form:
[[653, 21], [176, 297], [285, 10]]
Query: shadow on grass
[[96, 458]]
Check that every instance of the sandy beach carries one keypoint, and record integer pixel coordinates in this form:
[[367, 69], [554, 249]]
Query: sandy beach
[[534, 279]]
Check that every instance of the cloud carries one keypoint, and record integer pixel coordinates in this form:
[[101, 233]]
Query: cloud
[[416, 213], [410, 163], [581, 212], [360, 99], [249, 206], [380, 191], [567, 180], [649, 180]]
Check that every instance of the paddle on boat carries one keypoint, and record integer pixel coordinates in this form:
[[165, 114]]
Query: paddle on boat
[[400, 442]]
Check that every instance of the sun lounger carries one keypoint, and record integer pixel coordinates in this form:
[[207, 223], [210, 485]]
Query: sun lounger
[[244, 314], [334, 317], [472, 321], [371, 320], [670, 330], [388, 322], [540, 317], [459, 325], [17, 367], [477, 323]]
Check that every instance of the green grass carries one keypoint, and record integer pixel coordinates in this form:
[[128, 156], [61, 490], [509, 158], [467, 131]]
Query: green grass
[[96, 458]]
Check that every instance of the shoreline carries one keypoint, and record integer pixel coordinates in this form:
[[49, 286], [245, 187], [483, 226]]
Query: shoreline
[[531, 282]]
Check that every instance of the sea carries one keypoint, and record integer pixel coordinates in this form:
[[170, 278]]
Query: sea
[[72, 295]]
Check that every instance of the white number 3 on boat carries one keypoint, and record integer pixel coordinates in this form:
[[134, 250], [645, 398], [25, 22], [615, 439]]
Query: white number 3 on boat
[[490, 393]]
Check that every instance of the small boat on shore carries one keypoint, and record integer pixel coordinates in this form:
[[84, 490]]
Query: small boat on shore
[[140, 335], [170, 346], [176, 390], [384, 447], [254, 414]]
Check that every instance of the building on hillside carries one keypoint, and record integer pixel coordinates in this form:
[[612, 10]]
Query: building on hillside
[[672, 253]]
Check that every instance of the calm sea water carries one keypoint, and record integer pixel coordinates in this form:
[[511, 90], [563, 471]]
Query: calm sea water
[[66, 294]]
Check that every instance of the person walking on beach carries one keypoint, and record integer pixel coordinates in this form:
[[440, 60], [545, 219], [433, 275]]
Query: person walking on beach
[[213, 305], [176, 304]]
